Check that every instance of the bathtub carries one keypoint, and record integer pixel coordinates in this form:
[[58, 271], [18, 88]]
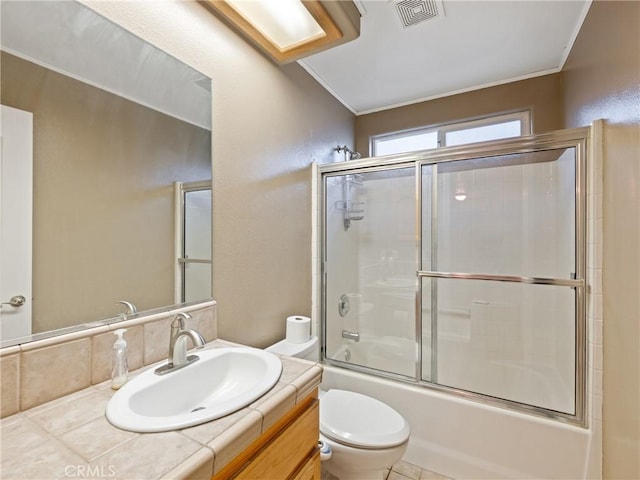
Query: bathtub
[[465, 439], [513, 380]]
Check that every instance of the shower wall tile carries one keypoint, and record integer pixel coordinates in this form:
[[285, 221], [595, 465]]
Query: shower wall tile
[[597, 407], [598, 204], [594, 466], [596, 282], [598, 232], [596, 386], [594, 299], [597, 332], [595, 360]]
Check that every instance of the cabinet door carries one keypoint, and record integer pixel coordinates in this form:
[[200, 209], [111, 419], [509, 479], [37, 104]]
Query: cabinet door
[[281, 457], [310, 470]]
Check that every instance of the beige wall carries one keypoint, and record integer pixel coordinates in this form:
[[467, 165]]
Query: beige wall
[[543, 95], [269, 124], [104, 169], [602, 80]]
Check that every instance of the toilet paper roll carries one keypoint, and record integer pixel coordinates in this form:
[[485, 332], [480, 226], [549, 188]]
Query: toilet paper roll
[[298, 329]]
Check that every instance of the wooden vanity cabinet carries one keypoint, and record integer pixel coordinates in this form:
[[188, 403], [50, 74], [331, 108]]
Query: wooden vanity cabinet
[[286, 451]]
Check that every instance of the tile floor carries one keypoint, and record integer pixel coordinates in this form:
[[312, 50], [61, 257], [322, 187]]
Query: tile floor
[[406, 471], [402, 471]]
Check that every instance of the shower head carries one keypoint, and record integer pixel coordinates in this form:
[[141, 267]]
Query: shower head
[[353, 155]]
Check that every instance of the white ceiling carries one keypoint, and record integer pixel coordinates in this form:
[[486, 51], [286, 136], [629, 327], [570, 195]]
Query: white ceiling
[[475, 44], [470, 45]]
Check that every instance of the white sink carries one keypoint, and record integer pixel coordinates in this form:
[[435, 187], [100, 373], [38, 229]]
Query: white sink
[[222, 381]]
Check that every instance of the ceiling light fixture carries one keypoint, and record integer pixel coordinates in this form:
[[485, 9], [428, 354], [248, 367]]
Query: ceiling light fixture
[[288, 30]]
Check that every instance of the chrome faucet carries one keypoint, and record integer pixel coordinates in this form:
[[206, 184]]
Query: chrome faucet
[[131, 309], [177, 352], [177, 345]]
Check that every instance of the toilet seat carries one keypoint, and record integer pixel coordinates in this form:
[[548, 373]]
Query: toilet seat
[[360, 421]]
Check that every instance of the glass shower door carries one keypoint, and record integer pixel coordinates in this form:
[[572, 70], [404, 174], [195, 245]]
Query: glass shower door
[[499, 312], [193, 241], [463, 270], [370, 258]]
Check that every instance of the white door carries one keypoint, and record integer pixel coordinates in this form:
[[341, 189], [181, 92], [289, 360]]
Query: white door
[[16, 180]]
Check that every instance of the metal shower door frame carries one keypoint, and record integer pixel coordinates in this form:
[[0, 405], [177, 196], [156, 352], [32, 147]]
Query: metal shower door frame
[[571, 138], [182, 260]]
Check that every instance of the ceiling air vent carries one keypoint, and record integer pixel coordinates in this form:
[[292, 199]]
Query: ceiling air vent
[[416, 11]]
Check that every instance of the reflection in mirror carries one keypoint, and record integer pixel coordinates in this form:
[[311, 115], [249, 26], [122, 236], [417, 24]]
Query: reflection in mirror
[[193, 270], [115, 123]]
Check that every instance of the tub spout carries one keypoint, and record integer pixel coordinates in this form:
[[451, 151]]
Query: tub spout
[[355, 336]]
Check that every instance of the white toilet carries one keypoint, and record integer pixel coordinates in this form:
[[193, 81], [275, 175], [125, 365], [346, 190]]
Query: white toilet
[[366, 436]]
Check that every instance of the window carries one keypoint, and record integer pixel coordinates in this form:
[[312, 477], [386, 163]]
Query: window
[[492, 128]]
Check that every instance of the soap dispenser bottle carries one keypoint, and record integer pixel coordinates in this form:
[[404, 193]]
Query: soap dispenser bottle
[[119, 367]]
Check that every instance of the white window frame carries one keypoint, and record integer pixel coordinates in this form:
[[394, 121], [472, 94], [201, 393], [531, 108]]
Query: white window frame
[[524, 116]]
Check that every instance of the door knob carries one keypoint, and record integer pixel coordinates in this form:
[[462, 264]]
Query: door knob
[[16, 301]]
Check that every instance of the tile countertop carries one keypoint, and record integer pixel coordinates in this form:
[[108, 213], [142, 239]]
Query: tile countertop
[[71, 438]]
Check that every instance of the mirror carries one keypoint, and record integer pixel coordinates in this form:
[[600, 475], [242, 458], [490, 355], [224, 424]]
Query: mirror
[[115, 123]]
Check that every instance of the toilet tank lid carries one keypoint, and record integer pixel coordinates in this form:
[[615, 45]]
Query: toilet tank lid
[[360, 421], [284, 347]]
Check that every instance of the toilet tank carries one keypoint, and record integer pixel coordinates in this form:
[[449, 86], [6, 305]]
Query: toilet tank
[[309, 350]]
